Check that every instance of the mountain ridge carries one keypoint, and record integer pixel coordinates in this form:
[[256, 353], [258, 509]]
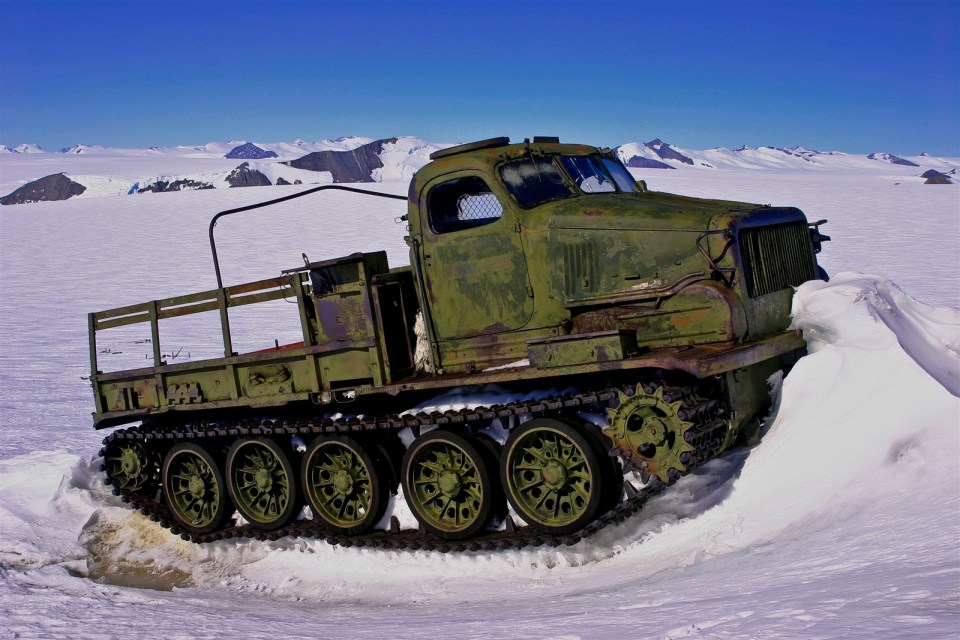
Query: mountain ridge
[[106, 171]]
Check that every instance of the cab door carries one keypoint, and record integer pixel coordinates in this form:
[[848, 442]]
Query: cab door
[[474, 268]]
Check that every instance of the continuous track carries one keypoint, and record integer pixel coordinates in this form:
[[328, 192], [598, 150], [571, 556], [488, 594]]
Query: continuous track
[[706, 434]]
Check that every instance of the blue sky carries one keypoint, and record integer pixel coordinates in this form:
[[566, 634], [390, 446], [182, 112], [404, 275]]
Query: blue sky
[[850, 75]]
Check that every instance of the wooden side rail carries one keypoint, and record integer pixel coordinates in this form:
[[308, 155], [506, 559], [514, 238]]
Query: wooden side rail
[[289, 286]]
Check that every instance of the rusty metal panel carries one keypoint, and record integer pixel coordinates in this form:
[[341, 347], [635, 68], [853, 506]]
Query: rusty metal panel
[[605, 346]]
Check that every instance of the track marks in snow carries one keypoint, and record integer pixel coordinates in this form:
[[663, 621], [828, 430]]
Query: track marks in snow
[[696, 628]]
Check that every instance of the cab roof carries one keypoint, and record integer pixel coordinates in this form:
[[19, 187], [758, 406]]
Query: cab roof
[[488, 143]]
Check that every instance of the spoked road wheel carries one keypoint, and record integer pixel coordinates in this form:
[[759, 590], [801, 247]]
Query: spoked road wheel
[[450, 485], [343, 484], [552, 476], [194, 488], [132, 466], [262, 482]]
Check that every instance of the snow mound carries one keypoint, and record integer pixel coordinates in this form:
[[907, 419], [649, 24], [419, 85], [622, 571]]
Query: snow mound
[[864, 415], [930, 336]]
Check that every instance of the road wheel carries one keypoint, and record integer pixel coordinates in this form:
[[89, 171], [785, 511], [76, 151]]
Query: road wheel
[[449, 484], [552, 476], [343, 484], [262, 482], [194, 488]]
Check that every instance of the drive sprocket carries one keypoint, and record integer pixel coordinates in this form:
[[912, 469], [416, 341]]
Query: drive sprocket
[[649, 434]]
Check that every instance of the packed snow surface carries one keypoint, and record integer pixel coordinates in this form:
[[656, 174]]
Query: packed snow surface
[[842, 522]]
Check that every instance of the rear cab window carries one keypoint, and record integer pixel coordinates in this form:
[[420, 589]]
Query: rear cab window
[[462, 203]]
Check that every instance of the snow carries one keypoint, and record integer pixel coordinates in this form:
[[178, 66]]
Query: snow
[[843, 521]]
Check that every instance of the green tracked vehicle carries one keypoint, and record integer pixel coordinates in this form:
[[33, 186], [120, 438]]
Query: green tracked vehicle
[[533, 266]]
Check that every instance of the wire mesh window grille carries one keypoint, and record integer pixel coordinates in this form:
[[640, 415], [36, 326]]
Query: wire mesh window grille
[[462, 203], [478, 206]]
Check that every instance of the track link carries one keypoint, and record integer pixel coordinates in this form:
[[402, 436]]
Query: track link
[[706, 436]]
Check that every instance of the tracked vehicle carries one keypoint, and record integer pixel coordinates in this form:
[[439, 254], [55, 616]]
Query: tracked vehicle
[[657, 320]]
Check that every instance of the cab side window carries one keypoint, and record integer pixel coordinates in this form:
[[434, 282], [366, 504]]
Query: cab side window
[[462, 203]]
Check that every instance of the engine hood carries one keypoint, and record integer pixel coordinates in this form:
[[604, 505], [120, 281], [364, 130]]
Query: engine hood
[[645, 212]]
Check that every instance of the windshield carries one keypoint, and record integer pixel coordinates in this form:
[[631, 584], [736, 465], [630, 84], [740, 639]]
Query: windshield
[[588, 175], [535, 180], [620, 175]]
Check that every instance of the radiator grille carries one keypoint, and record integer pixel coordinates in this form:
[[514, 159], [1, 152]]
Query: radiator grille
[[776, 257]]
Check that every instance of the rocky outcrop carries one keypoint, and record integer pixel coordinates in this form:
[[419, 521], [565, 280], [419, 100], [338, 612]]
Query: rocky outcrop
[[666, 151], [797, 152], [244, 176], [355, 165], [892, 159], [185, 184], [647, 163], [935, 177], [249, 151], [49, 188]]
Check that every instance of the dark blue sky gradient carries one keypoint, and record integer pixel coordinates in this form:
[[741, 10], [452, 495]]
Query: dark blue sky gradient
[[851, 75]]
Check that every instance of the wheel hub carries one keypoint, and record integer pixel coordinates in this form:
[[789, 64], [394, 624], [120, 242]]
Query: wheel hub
[[343, 482], [196, 485], [130, 462], [263, 479], [449, 483], [554, 475]]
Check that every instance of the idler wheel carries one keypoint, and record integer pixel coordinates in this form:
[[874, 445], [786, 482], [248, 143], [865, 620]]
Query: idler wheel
[[132, 466]]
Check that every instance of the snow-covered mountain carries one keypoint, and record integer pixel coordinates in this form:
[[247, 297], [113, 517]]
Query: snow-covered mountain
[[250, 151], [658, 154], [103, 171], [22, 148], [82, 148], [892, 159], [284, 150]]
